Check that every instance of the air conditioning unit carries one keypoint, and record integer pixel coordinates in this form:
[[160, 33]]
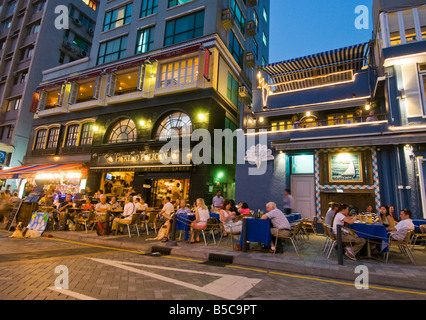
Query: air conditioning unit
[[251, 28], [82, 53], [243, 92], [250, 60], [252, 3], [227, 19], [90, 31], [67, 45], [77, 21]]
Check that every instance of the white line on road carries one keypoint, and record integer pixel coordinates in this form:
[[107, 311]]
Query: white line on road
[[73, 294]]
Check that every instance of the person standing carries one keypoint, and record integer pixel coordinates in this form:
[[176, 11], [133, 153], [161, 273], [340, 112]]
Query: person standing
[[218, 200], [288, 201], [280, 224]]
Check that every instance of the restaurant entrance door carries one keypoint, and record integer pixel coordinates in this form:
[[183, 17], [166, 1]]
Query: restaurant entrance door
[[303, 192]]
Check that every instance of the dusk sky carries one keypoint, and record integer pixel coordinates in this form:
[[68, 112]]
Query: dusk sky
[[304, 27]]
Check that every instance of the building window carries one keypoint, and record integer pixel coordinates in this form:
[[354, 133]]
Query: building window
[[145, 42], [422, 74], [176, 123], [232, 89], [395, 35], [14, 104], [149, 7], [184, 28], [86, 134], [179, 72], [112, 50], [72, 135], [265, 39], [91, 3], [40, 139], [281, 125], [52, 140], [238, 15], [236, 49], [123, 131], [265, 15], [118, 17], [173, 3]]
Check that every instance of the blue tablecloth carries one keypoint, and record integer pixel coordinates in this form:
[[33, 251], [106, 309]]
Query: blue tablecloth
[[372, 231], [417, 223], [293, 217], [258, 230]]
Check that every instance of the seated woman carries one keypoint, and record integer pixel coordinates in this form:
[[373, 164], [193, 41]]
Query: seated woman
[[245, 209], [228, 218], [87, 207], [202, 214], [386, 217]]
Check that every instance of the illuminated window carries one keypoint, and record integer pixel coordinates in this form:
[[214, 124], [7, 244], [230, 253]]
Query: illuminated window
[[72, 135], [145, 41], [238, 16], [179, 72], [123, 131], [91, 3], [40, 139], [117, 17], [395, 35], [178, 123], [52, 140], [86, 134], [232, 89], [410, 30]]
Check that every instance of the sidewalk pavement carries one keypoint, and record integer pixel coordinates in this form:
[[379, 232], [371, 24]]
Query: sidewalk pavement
[[311, 262]]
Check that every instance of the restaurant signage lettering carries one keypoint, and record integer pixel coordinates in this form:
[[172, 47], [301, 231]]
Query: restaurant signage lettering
[[134, 158]]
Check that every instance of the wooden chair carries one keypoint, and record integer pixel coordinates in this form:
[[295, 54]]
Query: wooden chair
[[403, 245], [133, 222], [293, 234]]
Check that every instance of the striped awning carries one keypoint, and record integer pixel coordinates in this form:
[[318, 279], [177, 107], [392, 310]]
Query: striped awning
[[349, 58], [16, 173]]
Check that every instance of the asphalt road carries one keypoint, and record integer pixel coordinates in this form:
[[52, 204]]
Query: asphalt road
[[52, 269]]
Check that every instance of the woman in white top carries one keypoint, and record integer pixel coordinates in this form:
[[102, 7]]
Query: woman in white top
[[202, 214], [227, 217]]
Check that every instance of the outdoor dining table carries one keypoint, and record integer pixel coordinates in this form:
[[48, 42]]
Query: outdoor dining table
[[417, 223], [293, 217], [255, 230], [375, 232], [184, 222]]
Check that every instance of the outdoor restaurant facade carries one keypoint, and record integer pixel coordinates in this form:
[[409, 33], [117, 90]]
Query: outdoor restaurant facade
[[347, 125], [108, 114]]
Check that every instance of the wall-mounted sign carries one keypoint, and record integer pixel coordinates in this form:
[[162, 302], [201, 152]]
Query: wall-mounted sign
[[2, 157], [345, 167], [259, 154]]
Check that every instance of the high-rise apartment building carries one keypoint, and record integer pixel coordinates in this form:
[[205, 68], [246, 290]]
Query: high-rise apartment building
[[155, 67], [30, 43]]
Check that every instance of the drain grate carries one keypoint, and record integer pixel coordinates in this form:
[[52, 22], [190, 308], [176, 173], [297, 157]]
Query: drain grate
[[219, 260], [161, 250]]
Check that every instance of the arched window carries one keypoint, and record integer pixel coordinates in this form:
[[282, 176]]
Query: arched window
[[123, 131], [178, 122]]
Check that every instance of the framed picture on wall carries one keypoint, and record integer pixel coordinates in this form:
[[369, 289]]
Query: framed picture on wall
[[345, 167]]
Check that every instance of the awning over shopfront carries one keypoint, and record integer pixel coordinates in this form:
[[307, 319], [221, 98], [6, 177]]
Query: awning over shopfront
[[352, 58], [31, 171]]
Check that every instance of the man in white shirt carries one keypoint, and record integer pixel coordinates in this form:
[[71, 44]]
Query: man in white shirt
[[400, 230], [128, 212], [280, 224], [168, 209], [102, 208], [218, 200]]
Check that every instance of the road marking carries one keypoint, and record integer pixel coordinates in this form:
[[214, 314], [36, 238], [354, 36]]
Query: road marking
[[73, 294], [324, 280], [227, 286]]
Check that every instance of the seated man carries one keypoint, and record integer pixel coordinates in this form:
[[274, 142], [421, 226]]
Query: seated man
[[183, 208], [126, 218], [342, 218], [63, 211], [101, 209], [399, 231], [280, 224], [115, 205]]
